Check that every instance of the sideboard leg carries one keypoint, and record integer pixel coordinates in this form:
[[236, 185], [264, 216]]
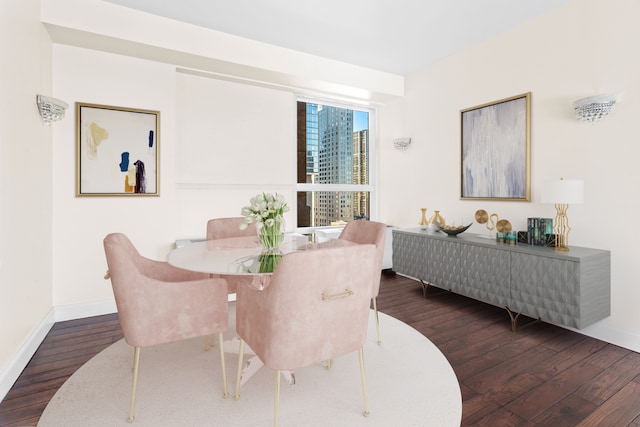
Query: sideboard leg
[[514, 320], [425, 286]]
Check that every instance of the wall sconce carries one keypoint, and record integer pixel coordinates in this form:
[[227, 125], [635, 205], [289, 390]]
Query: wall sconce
[[51, 109], [594, 108], [562, 192], [401, 144]]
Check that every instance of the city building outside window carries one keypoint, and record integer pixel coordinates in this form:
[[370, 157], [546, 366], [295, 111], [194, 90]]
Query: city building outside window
[[335, 155]]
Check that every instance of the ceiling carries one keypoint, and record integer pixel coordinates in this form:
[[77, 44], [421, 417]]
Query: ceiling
[[395, 36]]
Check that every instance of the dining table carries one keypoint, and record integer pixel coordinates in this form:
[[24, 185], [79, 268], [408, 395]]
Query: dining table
[[245, 256]]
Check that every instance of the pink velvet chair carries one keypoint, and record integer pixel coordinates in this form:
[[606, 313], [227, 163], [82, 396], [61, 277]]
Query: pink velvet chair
[[314, 308], [223, 228], [158, 303], [369, 232]]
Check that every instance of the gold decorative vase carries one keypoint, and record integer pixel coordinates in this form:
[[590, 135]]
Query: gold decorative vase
[[423, 221], [437, 218]]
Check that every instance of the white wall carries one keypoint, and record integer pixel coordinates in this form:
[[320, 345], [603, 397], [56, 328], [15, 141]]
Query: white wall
[[581, 49], [235, 141], [220, 143], [80, 223], [25, 181]]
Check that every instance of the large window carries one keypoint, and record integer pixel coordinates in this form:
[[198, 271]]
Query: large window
[[335, 154]]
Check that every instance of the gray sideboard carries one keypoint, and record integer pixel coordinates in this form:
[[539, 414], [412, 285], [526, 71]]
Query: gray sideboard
[[566, 288]]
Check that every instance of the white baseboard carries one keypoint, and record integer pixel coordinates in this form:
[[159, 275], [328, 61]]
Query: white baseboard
[[16, 365], [82, 310], [616, 336]]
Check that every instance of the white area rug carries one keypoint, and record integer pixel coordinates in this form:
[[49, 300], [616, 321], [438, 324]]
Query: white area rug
[[409, 382]]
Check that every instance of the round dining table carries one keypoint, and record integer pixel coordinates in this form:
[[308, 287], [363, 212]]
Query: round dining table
[[242, 255]]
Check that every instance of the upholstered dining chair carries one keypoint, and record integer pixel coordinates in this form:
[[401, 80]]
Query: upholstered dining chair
[[158, 303], [223, 228], [300, 316], [369, 232]]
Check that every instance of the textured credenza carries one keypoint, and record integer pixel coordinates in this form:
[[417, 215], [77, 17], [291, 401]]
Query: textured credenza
[[566, 288]]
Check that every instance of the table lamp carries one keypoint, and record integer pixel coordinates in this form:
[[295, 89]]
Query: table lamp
[[561, 193]]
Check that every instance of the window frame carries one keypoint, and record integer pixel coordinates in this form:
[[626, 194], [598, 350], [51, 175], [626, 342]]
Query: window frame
[[371, 188]]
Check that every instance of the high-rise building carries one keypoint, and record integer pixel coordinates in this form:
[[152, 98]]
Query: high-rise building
[[335, 143], [312, 141], [312, 164], [331, 153], [361, 172]]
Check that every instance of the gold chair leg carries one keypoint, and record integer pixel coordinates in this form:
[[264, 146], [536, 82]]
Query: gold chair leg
[[239, 374], [277, 400], [328, 364], [375, 310], [136, 364], [224, 369], [209, 341], [364, 383]]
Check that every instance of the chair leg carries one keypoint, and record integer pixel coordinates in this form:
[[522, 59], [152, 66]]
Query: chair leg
[[238, 375], [277, 400], [364, 383], [209, 341], [224, 369], [136, 364], [375, 310]]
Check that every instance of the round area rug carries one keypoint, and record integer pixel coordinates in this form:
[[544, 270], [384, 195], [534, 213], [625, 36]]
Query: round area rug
[[409, 383]]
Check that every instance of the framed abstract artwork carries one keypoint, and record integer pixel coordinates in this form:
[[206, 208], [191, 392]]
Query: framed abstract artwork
[[116, 151], [495, 150]]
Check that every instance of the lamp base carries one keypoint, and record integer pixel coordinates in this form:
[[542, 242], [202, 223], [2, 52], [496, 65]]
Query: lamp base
[[562, 228]]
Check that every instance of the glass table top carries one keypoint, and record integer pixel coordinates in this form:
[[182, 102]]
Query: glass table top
[[242, 255]]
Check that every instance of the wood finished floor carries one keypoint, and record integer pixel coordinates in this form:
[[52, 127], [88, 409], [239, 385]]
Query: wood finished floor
[[541, 375]]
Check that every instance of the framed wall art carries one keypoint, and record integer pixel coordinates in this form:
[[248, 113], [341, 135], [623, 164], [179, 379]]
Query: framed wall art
[[116, 151], [495, 150]]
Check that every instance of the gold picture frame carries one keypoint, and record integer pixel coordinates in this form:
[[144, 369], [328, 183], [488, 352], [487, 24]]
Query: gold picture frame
[[495, 150], [117, 152]]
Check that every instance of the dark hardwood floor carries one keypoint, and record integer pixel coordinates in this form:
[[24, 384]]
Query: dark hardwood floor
[[540, 375]]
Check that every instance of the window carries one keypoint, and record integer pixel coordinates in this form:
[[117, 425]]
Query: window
[[335, 153]]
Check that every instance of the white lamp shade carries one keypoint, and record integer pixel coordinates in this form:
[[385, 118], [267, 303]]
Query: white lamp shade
[[563, 191]]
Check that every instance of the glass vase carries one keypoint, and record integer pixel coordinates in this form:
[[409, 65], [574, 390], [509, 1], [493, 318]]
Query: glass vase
[[271, 236], [268, 260]]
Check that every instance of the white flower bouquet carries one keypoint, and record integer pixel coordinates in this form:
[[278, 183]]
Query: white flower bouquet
[[266, 211]]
